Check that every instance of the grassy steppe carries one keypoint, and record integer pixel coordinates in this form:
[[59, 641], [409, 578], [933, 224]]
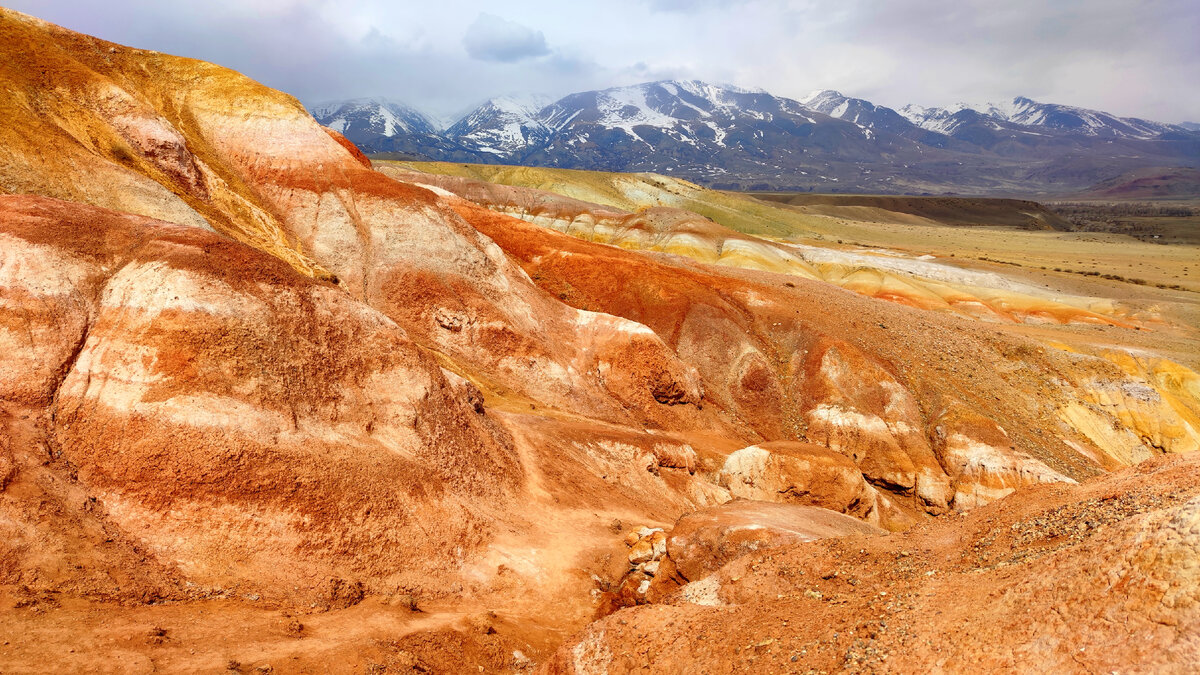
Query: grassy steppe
[[1075, 258]]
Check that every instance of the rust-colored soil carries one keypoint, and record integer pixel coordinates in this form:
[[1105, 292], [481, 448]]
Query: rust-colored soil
[[1095, 578]]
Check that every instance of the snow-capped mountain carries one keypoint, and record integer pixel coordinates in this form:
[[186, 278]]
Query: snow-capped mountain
[[856, 110], [698, 130], [382, 125], [940, 120], [1029, 113], [661, 105], [967, 125], [505, 125], [690, 112], [372, 117], [731, 137]]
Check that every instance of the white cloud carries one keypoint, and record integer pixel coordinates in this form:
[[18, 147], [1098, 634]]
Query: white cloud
[[492, 38], [1131, 57]]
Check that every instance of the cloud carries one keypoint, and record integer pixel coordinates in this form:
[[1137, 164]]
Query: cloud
[[1115, 55], [691, 5], [492, 38], [1129, 57]]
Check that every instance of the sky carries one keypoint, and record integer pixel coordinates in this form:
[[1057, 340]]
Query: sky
[[1132, 58]]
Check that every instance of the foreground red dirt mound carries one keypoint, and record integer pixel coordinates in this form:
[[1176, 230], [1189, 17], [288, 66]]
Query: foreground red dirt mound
[[1100, 577], [703, 541]]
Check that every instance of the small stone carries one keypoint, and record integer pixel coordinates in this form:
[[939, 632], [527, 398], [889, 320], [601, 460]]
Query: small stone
[[483, 623], [406, 600], [294, 628], [659, 544], [155, 636], [406, 662], [641, 552]]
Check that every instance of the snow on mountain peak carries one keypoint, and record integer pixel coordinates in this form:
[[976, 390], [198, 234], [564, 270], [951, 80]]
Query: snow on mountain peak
[[823, 97], [527, 105], [627, 107], [703, 117], [717, 94], [380, 115], [504, 124], [1026, 112]]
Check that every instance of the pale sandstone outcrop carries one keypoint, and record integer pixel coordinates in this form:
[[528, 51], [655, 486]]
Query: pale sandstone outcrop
[[804, 473]]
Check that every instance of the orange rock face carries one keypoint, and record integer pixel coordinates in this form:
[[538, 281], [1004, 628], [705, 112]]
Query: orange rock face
[[766, 354], [246, 373], [667, 229], [197, 144]]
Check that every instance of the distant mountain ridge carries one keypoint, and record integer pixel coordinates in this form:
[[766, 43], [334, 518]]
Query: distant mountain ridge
[[729, 137], [378, 115], [1029, 113], [504, 125]]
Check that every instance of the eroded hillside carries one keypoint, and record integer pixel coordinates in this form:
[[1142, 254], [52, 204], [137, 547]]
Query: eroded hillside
[[265, 405]]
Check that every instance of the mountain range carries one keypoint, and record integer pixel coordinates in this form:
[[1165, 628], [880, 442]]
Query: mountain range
[[729, 137]]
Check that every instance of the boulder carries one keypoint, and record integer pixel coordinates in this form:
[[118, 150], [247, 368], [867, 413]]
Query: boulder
[[804, 473], [704, 541], [793, 472]]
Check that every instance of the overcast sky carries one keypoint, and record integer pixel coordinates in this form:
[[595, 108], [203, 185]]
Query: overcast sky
[[1134, 58]]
